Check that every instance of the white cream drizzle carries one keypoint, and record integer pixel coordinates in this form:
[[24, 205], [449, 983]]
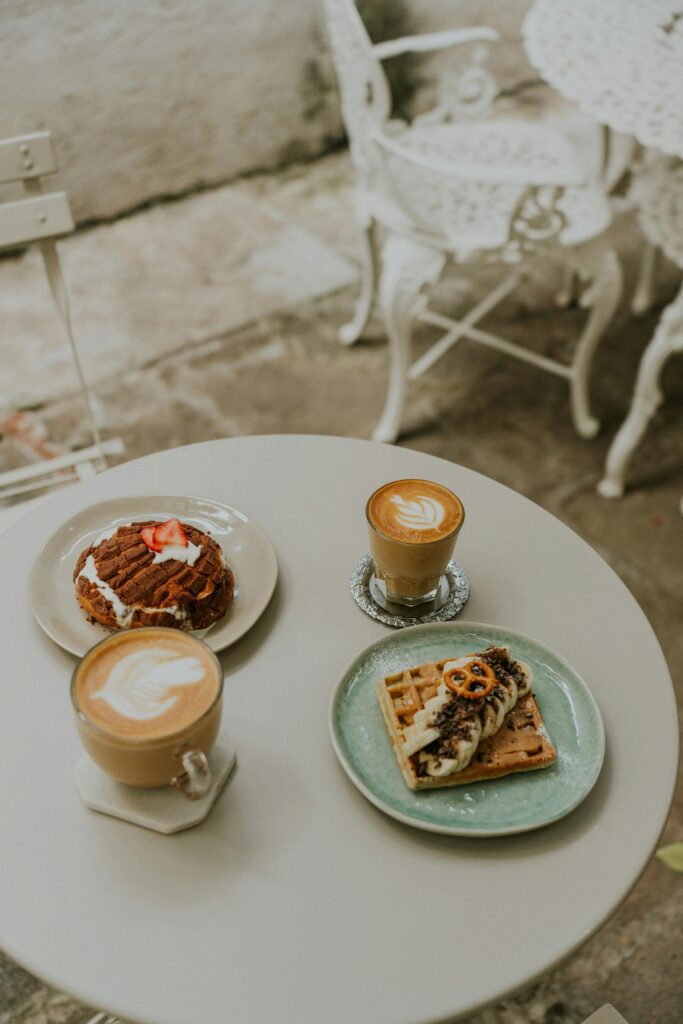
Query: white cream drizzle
[[123, 613], [188, 554], [105, 536]]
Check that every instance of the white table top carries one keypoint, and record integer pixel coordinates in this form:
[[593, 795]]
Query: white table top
[[620, 60], [297, 901]]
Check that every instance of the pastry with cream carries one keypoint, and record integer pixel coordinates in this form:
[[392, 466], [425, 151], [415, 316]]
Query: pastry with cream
[[464, 719], [154, 573]]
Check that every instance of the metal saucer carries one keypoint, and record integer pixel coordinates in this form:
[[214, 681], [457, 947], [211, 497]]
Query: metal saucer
[[369, 598]]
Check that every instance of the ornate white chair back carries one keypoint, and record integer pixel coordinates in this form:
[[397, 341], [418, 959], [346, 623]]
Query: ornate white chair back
[[413, 188], [365, 96]]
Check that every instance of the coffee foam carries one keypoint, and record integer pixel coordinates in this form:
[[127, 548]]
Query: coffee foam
[[146, 685], [415, 511]]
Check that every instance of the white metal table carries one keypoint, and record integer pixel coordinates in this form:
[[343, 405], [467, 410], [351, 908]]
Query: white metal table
[[622, 62], [297, 901]]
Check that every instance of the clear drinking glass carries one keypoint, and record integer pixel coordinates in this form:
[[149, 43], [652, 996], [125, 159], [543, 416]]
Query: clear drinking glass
[[413, 526]]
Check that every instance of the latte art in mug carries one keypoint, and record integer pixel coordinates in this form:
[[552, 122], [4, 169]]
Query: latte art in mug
[[136, 688], [141, 685]]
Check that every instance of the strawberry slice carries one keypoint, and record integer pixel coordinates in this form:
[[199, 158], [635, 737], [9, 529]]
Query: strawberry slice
[[170, 532], [147, 534]]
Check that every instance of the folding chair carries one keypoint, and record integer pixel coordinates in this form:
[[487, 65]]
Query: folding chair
[[40, 217]]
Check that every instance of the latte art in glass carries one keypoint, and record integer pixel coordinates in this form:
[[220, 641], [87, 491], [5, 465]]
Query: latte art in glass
[[413, 525], [140, 685], [415, 511], [422, 514]]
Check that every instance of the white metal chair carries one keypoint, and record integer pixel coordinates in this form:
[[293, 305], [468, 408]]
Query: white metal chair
[[456, 186], [657, 191], [41, 217]]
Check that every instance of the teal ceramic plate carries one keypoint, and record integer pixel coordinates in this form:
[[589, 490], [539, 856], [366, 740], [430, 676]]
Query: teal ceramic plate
[[514, 803]]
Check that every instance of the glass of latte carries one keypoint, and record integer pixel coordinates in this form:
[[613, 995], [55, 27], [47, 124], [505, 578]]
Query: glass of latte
[[413, 526], [148, 708]]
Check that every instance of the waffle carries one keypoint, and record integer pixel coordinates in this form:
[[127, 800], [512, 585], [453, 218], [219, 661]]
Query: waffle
[[134, 590], [520, 745]]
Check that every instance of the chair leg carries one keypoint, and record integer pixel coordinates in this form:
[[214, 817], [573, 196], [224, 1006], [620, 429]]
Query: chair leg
[[567, 293], [60, 295], [351, 332], [643, 294], [598, 263], [407, 268], [667, 339]]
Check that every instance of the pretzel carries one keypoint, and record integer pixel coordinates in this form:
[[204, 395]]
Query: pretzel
[[465, 682]]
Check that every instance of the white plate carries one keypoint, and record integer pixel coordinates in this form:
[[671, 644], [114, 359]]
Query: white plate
[[247, 549]]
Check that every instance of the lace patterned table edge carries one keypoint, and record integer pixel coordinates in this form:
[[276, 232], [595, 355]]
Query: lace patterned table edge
[[459, 592]]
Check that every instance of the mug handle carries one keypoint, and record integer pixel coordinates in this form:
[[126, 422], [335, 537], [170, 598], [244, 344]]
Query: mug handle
[[194, 782]]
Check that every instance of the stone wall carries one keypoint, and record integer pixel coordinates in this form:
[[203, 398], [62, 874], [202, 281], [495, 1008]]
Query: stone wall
[[153, 99]]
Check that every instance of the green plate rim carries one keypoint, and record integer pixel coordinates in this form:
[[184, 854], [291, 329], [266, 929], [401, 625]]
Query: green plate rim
[[457, 830]]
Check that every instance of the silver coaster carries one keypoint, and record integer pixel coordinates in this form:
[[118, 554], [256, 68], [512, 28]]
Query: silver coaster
[[361, 584]]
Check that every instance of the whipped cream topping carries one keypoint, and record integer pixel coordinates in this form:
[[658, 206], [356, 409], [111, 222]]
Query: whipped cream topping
[[138, 685], [123, 613], [188, 554], [486, 718], [422, 514]]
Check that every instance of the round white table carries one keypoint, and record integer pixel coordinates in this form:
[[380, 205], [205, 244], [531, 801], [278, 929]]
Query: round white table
[[296, 900]]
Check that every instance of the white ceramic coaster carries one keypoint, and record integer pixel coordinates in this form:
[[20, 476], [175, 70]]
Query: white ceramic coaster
[[605, 1015], [163, 809]]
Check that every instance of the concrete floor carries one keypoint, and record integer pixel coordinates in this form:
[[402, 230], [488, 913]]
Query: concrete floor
[[217, 314]]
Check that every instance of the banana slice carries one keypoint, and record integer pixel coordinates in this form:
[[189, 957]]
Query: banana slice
[[485, 720]]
